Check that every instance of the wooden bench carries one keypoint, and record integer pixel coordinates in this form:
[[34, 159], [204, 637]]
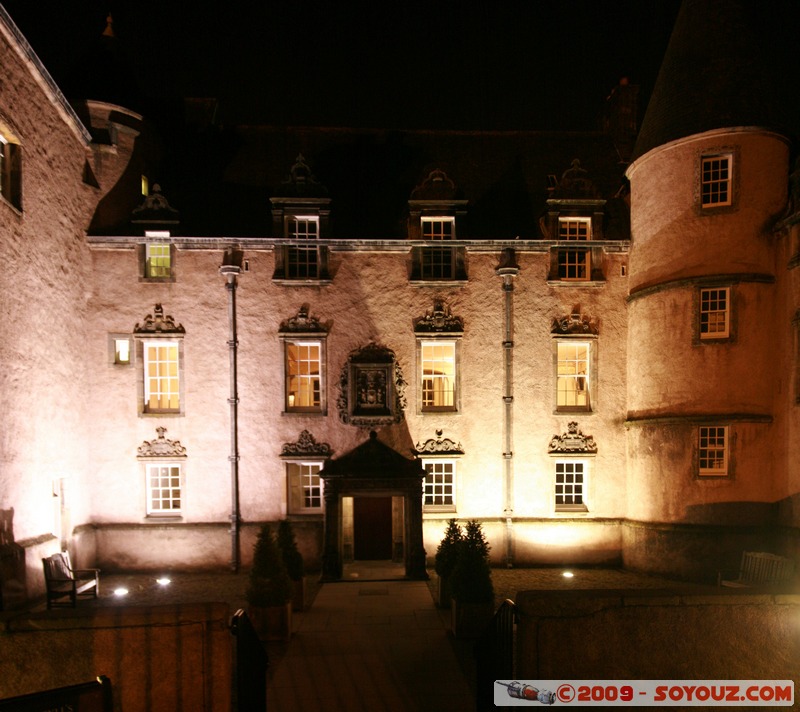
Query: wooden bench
[[62, 581], [759, 568]]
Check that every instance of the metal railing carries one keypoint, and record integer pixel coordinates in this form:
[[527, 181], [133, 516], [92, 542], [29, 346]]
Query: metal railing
[[494, 654], [250, 666]]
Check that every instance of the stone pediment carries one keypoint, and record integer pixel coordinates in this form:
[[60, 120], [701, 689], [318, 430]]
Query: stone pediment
[[161, 446], [372, 460], [438, 446], [158, 323], [306, 446], [439, 320], [303, 323], [573, 441], [575, 323]]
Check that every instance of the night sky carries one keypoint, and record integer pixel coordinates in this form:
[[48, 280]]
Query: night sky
[[462, 65]]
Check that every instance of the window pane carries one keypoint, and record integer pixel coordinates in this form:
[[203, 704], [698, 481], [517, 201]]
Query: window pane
[[439, 485], [569, 484], [572, 380], [158, 261], [305, 485], [714, 305], [715, 181], [164, 488], [303, 375], [713, 451], [438, 374], [162, 381]]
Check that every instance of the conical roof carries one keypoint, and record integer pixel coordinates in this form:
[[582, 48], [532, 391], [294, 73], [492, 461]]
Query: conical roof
[[717, 73]]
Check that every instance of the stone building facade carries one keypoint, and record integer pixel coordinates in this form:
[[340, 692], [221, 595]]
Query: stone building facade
[[595, 358]]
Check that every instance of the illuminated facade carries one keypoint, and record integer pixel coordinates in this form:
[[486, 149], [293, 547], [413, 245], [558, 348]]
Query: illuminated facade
[[600, 372]]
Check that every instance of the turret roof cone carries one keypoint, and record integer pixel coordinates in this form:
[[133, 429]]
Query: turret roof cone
[[716, 73]]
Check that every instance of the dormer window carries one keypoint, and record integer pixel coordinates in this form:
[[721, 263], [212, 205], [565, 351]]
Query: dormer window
[[574, 263], [300, 220], [438, 261], [433, 211]]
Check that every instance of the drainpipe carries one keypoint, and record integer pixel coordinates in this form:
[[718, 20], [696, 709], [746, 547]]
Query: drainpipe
[[231, 268], [508, 269]]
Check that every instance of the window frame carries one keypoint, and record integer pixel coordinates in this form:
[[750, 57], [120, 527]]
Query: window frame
[[590, 375], [582, 255], [453, 485], [438, 262], [571, 508], [157, 239], [113, 350], [10, 171], [727, 333], [292, 506], [149, 489], [142, 345], [428, 342], [707, 453], [710, 186], [320, 341]]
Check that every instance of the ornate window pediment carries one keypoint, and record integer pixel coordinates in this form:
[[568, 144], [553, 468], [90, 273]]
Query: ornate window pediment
[[306, 446], [575, 323], [439, 320], [439, 446], [161, 446], [372, 388], [303, 323], [573, 441], [158, 323]]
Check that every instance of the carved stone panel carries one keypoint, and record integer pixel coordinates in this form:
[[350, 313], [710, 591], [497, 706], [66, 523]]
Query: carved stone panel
[[161, 446], [371, 388], [573, 441]]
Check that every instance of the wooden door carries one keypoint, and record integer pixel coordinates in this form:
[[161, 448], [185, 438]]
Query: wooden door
[[372, 528]]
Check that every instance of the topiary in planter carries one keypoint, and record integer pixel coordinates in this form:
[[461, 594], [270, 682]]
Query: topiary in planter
[[445, 560], [269, 584], [471, 584], [293, 560]]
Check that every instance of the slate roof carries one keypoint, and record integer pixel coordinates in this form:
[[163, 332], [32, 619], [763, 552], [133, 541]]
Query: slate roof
[[718, 72], [370, 176]]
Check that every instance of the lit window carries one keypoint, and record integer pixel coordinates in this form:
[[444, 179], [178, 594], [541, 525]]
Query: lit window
[[157, 261], [438, 360], [303, 376], [714, 311], [438, 261], [161, 377], [572, 375], [305, 487], [122, 351], [439, 487], [715, 181], [10, 171], [163, 488], [574, 263], [570, 486], [712, 456], [145, 186], [302, 261]]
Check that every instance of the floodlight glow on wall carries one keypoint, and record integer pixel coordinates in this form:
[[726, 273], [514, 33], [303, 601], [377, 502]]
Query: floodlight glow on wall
[[163, 581], [120, 592]]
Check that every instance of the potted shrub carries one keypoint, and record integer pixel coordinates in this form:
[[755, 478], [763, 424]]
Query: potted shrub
[[471, 584], [293, 561], [445, 561], [269, 591]]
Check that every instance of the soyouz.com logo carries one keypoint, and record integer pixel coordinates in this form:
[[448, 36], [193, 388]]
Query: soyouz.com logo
[[645, 693]]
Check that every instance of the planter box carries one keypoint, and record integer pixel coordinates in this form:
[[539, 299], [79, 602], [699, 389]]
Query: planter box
[[443, 592], [299, 595], [272, 622], [468, 620]]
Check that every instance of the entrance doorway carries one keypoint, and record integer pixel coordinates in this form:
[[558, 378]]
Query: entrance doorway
[[372, 528]]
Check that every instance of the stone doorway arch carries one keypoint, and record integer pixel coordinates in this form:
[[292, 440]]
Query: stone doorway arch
[[373, 469]]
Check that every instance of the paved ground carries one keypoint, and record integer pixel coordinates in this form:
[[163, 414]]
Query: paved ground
[[371, 642]]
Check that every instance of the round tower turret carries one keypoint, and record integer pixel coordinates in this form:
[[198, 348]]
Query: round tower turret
[[708, 183]]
